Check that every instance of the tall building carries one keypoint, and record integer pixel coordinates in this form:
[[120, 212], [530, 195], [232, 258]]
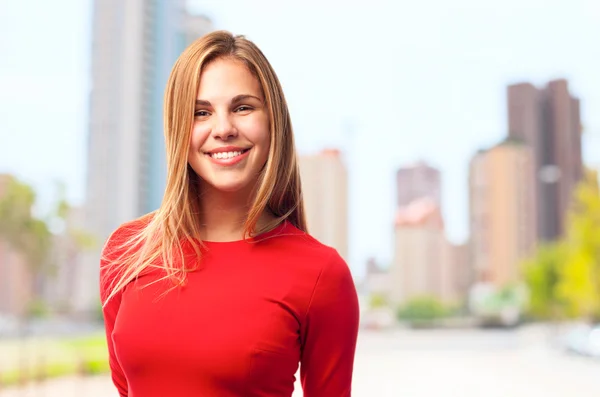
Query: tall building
[[183, 29], [456, 273], [135, 44], [502, 211], [417, 181], [325, 191], [425, 262], [548, 120], [419, 252]]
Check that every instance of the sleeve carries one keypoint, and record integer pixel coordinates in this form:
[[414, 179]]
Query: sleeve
[[110, 311], [329, 333]]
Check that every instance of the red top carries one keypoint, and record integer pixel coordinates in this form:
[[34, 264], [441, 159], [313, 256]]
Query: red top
[[241, 324]]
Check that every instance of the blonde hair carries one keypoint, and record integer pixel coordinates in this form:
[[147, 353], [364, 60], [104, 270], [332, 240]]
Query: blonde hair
[[159, 243]]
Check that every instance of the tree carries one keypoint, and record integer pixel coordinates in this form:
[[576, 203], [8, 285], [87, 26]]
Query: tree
[[26, 235], [20, 229], [32, 238], [579, 281], [564, 276], [542, 274], [79, 239], [377, 301], [422, 310]]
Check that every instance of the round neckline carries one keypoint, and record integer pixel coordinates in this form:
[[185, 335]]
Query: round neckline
[[255, 239]]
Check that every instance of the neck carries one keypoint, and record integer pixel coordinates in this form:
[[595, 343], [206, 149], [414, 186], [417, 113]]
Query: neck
[[223, 214]]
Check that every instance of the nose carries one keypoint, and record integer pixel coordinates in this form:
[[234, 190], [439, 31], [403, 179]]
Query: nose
[[224, 128]]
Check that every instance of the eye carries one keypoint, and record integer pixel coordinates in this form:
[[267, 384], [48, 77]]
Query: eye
[[201, 113], [243, 108]]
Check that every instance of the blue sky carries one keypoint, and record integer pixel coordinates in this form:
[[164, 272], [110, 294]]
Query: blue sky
[[411, 80]]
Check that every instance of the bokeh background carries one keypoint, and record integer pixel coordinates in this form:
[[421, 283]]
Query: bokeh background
[[449, 152]]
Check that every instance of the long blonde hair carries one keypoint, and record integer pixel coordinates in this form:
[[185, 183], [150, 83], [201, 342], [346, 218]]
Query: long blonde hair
[[159, 243]]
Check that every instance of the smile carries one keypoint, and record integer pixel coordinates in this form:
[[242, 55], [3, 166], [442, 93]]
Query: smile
[[229, 157]]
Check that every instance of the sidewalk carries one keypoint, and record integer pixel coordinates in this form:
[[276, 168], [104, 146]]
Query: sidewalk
[[97, 386], [436, 363]]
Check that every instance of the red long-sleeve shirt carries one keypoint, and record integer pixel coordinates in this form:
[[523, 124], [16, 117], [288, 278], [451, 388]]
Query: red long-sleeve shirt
[[241, 325]]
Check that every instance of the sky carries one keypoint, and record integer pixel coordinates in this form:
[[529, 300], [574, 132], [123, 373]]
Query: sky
[[388, 82]]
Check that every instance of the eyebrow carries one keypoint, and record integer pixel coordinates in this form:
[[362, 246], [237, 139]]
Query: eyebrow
[[236, 99]]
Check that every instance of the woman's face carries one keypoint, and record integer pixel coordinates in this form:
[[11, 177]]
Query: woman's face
[[230, 137]]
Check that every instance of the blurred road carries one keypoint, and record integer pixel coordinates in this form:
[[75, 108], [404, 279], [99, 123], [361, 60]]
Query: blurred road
[[428, 363]]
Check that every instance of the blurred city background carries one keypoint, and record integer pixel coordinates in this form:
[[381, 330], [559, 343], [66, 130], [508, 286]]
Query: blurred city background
[[449, 151]]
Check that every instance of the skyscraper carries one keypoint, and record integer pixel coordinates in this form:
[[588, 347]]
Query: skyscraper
[[135, 44], [417, 181], [502, 211], [456, 272], [183, 29], [548, 120], [325, 191], [419, 252]]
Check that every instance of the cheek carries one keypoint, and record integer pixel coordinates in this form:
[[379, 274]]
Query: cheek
[[257, 131], [197, 138]]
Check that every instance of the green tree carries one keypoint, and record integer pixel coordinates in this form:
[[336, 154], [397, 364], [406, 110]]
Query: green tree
[[563, 277], [422, 310], [78, 238], [28, 236], [542, 274], [579, 280], [20, 229], [377, 301]]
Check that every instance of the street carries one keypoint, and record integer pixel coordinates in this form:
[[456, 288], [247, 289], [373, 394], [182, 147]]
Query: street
[[427, 363]]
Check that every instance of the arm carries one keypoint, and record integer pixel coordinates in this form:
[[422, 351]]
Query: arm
[[329, 333], [110, 311]]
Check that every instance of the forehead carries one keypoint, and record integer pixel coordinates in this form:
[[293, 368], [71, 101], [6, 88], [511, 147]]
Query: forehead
[[225, 78]]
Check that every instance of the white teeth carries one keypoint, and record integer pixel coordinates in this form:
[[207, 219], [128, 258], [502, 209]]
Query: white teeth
[[225, 155]]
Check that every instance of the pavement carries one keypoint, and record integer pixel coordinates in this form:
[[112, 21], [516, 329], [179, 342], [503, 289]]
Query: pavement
[[428, 363]]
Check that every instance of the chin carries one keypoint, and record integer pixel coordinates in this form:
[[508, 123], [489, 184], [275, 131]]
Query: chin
[[230, 187]]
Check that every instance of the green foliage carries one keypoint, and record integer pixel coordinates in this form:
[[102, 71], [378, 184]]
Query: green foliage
[[62, 207], [377, 301], [564, 277], [579, 281], [422, 309], [542, 276], [52, 358], [24, 232], [55, 370], [31, 236], [96, 367], [59, 215], [37, 308], [83, 240], [507, 296], [98, 314]]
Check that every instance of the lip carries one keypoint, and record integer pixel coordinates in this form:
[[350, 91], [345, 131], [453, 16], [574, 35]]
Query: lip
[[231, 161], [227, 149]]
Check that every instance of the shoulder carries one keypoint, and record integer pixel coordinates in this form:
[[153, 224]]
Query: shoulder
[[119, 245], [301, 243], [309, 253]]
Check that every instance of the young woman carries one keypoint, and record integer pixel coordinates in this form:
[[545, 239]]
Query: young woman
[[221, 292]]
